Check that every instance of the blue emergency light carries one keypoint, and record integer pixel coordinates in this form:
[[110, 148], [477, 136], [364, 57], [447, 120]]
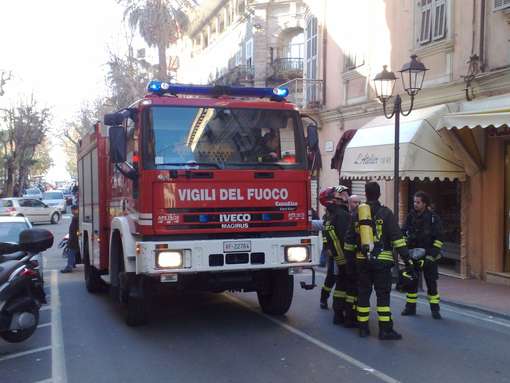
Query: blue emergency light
[[161, 87]]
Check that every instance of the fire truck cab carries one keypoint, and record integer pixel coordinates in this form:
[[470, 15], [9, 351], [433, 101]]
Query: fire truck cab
[[197, 188]]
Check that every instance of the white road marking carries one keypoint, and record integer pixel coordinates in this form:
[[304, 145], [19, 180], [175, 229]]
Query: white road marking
[[23, 353], [445, 307], [45, 308], [45, 381], [58, 363], [355, 362], [44, 325]]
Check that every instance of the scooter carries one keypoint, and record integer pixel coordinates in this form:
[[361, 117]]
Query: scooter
[[21, 285]]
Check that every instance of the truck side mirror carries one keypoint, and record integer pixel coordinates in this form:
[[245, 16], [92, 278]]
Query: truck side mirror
[[117, 136], [113, 119], [312, 136]]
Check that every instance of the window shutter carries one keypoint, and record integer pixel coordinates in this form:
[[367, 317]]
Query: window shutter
[[439, 20], [426, 21], [501, 4]]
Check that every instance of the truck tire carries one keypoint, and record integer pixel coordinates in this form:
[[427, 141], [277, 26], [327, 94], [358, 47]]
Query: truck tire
[[276, 300], [93, 282], [137, 304]]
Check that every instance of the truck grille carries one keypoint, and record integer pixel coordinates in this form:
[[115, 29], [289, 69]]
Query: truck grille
[[216, 260]]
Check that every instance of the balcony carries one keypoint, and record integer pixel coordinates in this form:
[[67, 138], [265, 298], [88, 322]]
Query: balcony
[[306, 94], [286, 68], [239, 75]]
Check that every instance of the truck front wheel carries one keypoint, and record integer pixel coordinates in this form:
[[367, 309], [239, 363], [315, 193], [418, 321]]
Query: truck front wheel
[[276, 298]]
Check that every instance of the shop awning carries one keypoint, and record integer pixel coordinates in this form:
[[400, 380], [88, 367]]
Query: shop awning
[[491, 112], [466, 131], [423, 153]]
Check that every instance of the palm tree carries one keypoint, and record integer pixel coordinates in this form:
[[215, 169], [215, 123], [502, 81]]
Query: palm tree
[[160, 23]]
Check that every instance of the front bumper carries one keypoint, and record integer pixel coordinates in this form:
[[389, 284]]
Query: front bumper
[[214, 255]]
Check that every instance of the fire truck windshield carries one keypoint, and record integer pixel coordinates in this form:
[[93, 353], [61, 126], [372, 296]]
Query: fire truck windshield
[[223, 138]]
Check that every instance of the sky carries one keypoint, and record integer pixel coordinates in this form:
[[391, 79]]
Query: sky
[[57, 49]]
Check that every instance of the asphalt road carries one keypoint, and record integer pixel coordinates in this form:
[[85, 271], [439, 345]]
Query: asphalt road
[[225, 338]]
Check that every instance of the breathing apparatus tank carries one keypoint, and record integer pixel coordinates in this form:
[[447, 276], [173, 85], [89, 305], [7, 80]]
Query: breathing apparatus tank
[[366, 231]]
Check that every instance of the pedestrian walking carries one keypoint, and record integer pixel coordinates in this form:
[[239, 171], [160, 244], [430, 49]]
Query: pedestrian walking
[[73, 246], [373, 262], [425, 240], [336, 223]]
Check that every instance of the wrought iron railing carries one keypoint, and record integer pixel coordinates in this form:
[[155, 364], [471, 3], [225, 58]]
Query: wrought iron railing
[[240, 74], [305, 93], [287, 68]]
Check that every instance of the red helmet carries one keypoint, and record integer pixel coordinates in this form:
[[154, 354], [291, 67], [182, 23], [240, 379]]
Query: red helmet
[[326, 195]]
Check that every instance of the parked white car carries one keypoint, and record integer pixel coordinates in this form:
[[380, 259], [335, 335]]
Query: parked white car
[[33, 209], [55, 198], [33, 193]]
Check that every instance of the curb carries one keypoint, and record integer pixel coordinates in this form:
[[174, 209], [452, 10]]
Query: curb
[[479, 309], [453, 303]]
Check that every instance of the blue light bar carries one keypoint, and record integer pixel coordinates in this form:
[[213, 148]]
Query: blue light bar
[[161, 87]]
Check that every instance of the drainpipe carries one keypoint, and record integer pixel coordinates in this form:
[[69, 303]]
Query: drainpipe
[[324, 53], [482, 36]]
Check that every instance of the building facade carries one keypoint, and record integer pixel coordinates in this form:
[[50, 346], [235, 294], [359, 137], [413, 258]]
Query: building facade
[[455, 142]]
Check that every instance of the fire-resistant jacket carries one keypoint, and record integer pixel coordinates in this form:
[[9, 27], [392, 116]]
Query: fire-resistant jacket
[[424, 231], [336, 223], [387, 235]]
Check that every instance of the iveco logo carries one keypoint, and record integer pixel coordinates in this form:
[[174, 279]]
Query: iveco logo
[[235, 218]]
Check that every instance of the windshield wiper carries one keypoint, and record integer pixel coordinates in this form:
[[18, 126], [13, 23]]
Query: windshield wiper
[[192, 164], [257, 164]]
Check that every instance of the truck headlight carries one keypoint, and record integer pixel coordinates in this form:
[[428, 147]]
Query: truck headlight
[[296, 254], [169, 259]]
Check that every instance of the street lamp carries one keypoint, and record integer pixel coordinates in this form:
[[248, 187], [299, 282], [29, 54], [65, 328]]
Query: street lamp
[[412, 75]]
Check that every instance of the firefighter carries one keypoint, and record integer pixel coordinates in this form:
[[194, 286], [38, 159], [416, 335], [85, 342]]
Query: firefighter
[[336, 223], [373, 233], [425, 240]]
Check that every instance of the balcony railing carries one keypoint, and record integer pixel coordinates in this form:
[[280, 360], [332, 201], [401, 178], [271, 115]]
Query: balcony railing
[[239, 75], [305, 93], [286, 68]]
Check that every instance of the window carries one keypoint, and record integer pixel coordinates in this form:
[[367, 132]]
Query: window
[[433, 15], [238, 57], [37, 203], [7, 203], [311, 55], [353, 60], [249, 52]]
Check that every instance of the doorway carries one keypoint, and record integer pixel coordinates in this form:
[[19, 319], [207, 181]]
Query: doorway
[[506, 260]]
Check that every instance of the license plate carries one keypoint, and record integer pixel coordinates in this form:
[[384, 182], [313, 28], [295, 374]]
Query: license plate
[[237, 246]]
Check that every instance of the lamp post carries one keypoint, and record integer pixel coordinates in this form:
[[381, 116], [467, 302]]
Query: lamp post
[[412, 75]]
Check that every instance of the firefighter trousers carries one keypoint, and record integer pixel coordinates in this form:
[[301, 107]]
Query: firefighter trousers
[[374, 274], [431, 275], [330, 280]]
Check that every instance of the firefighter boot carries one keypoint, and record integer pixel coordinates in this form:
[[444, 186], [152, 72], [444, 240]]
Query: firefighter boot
[[386, 332], [350, 316], [410, 309], [434, 308], [324, 298], [363, 330], [338, 308]]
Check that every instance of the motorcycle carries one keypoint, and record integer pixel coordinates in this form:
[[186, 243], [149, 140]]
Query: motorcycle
[[21, 285]]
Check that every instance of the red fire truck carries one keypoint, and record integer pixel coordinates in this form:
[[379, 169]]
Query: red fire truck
[[197, 188]]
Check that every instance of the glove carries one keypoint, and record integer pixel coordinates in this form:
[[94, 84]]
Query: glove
[[410, 270]]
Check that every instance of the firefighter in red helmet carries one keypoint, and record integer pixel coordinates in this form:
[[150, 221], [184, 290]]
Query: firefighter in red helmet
[[336, 223]]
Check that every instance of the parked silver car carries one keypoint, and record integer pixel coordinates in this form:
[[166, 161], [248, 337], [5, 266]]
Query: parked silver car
[[33, 209], [33, 193], [55, 198]]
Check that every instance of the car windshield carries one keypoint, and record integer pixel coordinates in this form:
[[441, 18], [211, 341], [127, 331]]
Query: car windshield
[[9, 231], [33, 191], [222, 138], [53, 195]]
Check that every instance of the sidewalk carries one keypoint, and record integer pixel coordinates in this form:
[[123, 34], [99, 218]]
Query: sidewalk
[[475, 294]]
